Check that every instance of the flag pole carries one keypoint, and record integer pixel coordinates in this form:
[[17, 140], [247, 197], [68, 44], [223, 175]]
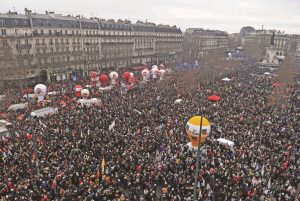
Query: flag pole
[[197, 162]]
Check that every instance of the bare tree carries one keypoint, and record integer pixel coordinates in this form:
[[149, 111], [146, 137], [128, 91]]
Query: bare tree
[[286, 78], [9, 67]]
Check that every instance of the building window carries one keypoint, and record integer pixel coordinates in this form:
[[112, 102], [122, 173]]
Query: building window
[[37, 41], [3, 31], [50, 32]]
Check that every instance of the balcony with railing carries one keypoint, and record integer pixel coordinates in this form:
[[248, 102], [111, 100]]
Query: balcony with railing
[[23, 46]]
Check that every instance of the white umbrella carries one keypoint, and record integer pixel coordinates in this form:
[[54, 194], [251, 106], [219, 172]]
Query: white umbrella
[[226, 79], [267, 73], [177, 101], [225, 141]]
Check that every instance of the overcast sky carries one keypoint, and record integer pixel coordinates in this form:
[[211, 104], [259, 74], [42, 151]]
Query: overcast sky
[[227, 15]]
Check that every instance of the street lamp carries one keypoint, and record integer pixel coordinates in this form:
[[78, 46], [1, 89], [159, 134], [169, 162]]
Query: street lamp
[[32, 114], [197, 161]]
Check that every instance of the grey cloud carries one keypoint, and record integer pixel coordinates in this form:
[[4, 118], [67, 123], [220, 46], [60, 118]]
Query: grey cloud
[[229, 15]]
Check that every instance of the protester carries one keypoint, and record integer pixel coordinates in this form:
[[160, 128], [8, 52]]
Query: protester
[[132, 146]]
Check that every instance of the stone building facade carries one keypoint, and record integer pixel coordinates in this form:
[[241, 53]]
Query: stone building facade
[[260, 40], [199, 43], [55, 46]]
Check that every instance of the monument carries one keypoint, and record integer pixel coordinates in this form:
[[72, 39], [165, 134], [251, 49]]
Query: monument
[[270, 59]]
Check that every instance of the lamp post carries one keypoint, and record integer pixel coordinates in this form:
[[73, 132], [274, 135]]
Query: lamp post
[[197, 161], [34, 146]]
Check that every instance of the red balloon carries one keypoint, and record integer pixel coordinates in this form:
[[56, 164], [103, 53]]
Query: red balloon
[[78, 88], [126, 75], [103, 78], [93, 74]]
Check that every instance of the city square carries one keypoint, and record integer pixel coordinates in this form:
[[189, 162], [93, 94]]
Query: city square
[[102, 109]]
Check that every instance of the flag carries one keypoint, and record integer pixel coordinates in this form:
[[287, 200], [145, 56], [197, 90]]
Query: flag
[[33, 156], [269, 183], [112, 125], [137, 111], [28, 136], [263, 170], [102, 166], [53, 186], [20, 117]]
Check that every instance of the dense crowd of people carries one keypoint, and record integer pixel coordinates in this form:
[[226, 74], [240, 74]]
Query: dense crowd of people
[[144, 156]]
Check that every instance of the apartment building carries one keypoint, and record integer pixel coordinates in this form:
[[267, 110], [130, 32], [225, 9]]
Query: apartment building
[[199, 43], [53, 46], [259, 40]]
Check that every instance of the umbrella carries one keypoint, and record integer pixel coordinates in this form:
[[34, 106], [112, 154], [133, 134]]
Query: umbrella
[[226, 79], [276, 84], [267, 73], [214, 98]]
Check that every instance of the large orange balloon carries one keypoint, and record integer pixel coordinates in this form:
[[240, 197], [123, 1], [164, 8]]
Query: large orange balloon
[[193, 130]]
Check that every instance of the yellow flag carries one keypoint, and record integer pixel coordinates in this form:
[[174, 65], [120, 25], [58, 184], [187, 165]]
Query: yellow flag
[[102, 166]]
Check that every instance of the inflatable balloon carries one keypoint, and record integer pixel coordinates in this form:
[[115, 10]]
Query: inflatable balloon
[[131, 74], [145, 74], [154, 72], [113, 76], [126, 76], [40, 91], [103, 79], [85, 93], [93, 75], [193, 130], [161, 73], [78, 89]]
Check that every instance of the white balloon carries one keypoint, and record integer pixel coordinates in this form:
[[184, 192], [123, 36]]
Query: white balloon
[[161, 73], [113, 76], [40, 91], [85, 93], [145, 74]]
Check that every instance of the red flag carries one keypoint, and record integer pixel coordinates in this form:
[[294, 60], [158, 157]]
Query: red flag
[[53, 186], [28, 136], [33, 156], [3, 115], [20, 117]]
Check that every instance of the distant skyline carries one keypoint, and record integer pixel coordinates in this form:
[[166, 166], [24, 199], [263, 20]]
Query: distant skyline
[[229, 15]]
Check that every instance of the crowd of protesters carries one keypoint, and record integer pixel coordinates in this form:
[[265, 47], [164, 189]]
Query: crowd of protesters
[[144, 156]]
